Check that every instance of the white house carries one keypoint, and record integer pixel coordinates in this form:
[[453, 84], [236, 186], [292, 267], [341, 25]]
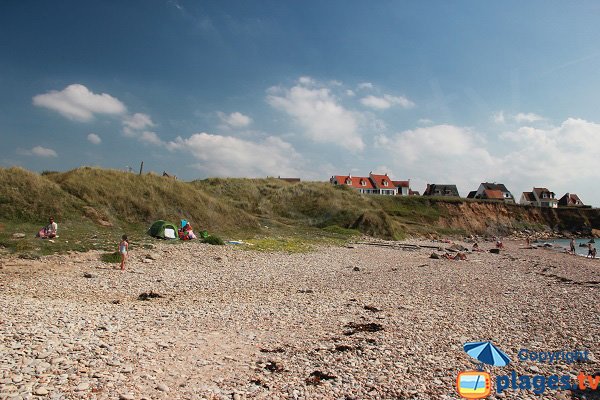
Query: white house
[[372, 184], [539, 197]]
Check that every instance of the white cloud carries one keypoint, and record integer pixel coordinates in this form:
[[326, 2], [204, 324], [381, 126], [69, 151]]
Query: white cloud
[[306, 80], [135, 126], [437, 154], [387, 101], [528, 117], [365, 85], [350, 93], [137, 121], [235, 119], [94, 139], [562, 158], [78, 103], [230, 156], [498, 117], [319, 113], [150, 137], [38, 151], [425, 121]]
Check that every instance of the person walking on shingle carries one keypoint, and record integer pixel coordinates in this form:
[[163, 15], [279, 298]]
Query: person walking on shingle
[[123, 249]]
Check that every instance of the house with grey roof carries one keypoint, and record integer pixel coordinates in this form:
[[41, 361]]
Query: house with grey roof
[[570, 200], [492, 191], [435, 189]]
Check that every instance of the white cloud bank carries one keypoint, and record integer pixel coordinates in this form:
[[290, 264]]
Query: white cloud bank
[[230, 156], [319, 113], [560, 155], [562, 158], [77, 102], [438, 154]]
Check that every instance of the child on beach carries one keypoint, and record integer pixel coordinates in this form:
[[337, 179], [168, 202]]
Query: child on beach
[[123, 248]]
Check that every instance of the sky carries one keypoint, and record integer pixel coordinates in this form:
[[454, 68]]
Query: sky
[[459, 92]]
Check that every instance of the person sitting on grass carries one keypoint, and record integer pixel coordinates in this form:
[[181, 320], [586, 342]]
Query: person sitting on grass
[[187, 233], [49, 231]]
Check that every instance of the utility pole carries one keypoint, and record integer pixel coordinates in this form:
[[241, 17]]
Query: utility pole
[[141, 167]]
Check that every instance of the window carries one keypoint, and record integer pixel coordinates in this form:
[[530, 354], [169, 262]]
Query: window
[[385, 183], [348, 181], [363, 183]]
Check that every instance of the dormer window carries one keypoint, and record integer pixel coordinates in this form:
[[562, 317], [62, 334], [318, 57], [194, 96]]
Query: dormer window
[[363, 182], [544, 195], [348, 181], [385, 183]]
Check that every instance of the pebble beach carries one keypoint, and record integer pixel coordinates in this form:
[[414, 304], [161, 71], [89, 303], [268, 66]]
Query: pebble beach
[[363, 321]]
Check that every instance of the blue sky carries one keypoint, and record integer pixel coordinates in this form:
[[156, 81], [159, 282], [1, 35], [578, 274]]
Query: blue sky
[[440, 92]]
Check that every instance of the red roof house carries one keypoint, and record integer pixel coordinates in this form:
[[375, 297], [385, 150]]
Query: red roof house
[[372, 184]]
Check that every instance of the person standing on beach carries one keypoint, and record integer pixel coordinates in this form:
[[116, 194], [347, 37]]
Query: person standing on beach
[[573, 246], [590, 252], [123, 249]]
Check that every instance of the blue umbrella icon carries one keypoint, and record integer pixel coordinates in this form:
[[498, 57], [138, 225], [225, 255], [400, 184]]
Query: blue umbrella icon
[[486, 353]]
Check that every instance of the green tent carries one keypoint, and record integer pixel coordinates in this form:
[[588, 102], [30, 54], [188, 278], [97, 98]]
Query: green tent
[[163, 230]]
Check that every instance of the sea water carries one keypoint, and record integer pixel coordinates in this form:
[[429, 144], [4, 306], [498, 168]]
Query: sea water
[[565, 243]]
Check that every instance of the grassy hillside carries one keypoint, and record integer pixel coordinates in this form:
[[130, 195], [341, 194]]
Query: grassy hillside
[[95, 206], [121, 197], [28, 197]]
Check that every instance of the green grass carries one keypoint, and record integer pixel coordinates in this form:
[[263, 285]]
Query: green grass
[[94, 207], [214, 240], [80, 236]]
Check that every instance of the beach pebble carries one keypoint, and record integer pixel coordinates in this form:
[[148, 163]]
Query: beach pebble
[[162, 387], [223, 331]]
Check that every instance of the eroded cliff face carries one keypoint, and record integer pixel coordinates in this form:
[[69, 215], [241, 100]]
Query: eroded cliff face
[[500, 218]]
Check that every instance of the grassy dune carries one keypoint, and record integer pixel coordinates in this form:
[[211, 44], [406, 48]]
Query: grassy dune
[[95, 206]]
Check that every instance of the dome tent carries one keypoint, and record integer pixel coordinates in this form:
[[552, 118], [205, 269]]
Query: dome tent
[[163, 230]]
